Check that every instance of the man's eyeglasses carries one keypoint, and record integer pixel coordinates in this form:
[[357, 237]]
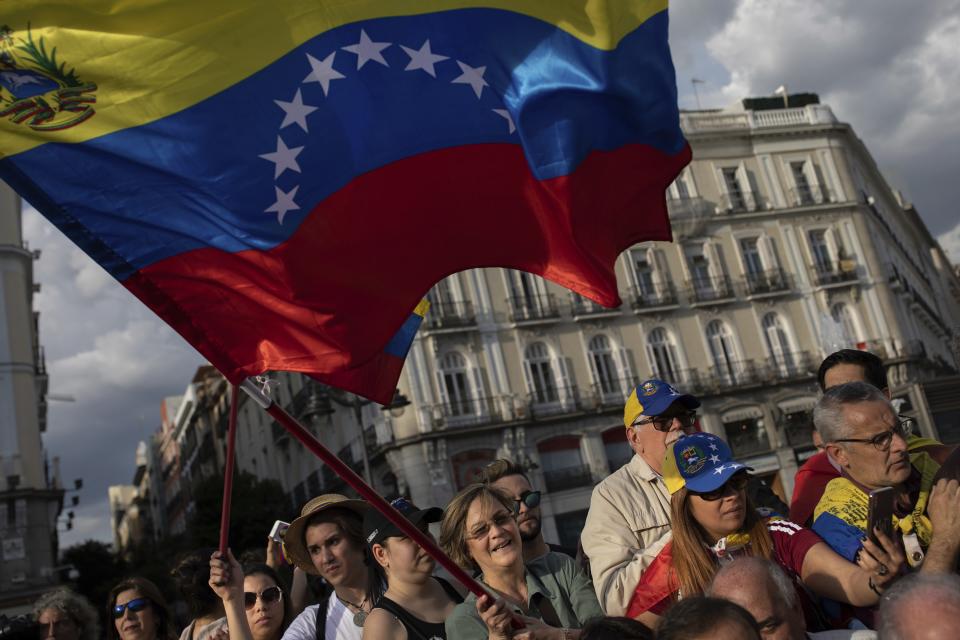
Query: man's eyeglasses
[[135, 605], [663, 423], [737, 482], [529, 498], [500, 519], [268, 595], [881, 441]]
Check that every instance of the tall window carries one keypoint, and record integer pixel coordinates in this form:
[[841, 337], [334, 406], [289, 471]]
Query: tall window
[[663, 355], [601, 356], [525, 295], [721, 349], [542, 381], [683, 191], [441, 297], [644, 272], [752, 260], [734, 191], [456, 385], [700, 274], [804, 192], [820, 249], [843, 315], [777, 343]]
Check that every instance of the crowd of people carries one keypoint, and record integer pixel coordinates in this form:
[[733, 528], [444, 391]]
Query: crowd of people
[[682, 542]]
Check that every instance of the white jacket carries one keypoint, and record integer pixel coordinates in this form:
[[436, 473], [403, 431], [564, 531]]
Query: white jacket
[[627, 526]]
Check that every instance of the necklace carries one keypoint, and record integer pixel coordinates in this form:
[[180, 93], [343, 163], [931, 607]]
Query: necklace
[[360, 616]]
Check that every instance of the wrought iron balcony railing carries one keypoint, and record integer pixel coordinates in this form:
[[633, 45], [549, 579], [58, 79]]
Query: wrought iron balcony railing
[[533, 307]]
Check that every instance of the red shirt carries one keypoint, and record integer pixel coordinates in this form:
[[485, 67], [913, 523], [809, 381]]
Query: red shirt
[[808, 486]]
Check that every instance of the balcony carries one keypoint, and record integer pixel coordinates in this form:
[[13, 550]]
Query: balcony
[[738, 202], [715, 120], [584, 307], [551, 401], [689, 216], [311, 400], [769, 282], [646, 301], [612, 393], [733, 374], [714, 289], [533, 308], [568, 478], [809, 195], [467, 412], [844, 272], [450, 314], [797, 365]]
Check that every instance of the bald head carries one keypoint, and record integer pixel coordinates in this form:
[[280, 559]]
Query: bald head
[[921, 607], [763, 589]]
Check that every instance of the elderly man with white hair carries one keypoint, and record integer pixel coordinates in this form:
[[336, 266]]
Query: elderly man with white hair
[[763, 589], [921, 607]]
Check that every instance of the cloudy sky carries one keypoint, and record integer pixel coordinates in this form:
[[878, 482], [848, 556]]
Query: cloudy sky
[[891, 69]]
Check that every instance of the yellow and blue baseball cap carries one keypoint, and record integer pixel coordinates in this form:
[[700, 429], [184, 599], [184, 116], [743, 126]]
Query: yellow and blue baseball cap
[[653, 397], [700, 462]]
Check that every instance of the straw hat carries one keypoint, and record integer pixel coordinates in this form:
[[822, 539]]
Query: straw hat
[[293, 542]]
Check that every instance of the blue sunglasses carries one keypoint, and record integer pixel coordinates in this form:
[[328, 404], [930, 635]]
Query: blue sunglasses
[[135, 605]]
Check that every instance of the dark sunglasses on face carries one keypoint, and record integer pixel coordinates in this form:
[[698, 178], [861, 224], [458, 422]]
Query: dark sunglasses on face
[[663, 423], [268, 595], [135, 605], [738, 483], [529, 498]]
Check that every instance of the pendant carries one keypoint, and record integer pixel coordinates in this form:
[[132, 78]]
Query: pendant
[[360, 617]]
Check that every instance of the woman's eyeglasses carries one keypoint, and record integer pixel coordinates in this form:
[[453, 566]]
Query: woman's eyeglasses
[[501, 519], [268, 596], [738, 483], [663, 423], [135, 605], [529, 498]]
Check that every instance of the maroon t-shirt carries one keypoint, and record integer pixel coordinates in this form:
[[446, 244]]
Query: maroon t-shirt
[[808, 486]]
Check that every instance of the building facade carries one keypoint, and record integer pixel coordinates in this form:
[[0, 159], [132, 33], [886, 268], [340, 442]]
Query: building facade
[[788, 244], [31, 496]]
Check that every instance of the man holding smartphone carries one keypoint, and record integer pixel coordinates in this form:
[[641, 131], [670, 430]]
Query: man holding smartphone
[[864, 435]]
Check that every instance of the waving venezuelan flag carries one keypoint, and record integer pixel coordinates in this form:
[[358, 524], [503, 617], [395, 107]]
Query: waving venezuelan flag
[[282, 182]]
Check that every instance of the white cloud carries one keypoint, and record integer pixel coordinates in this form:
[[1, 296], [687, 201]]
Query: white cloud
[[950, 241]]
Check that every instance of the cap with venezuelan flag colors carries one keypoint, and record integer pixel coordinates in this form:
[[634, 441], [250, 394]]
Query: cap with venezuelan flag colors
[[653, 397], [700, 462]]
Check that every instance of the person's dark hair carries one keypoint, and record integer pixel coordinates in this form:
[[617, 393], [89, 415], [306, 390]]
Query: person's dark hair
[[192, 577], [148, 590], [502, 468], [349, 522], [615, 629], [699, 617], [75, 607], [258, 568], [873, 369]]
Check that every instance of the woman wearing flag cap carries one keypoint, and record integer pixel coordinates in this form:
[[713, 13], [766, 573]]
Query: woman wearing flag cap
[[416, 603], [714, 521]]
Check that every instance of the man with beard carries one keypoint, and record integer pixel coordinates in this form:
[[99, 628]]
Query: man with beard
[[512, 480], [629, 516]]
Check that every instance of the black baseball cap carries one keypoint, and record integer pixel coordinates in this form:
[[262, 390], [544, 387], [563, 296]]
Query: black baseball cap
[[377, 528]]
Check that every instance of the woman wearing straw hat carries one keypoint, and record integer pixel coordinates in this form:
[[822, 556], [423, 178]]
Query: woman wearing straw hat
[[713, 521]]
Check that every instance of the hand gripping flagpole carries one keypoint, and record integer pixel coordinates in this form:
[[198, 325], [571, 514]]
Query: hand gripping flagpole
[[356, 482], [228, 472]]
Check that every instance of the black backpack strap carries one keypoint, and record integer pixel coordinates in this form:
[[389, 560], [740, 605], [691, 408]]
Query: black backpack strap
[[322, 618]]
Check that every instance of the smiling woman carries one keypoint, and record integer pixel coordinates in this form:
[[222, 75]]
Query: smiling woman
[[550, 594], [139, 612]]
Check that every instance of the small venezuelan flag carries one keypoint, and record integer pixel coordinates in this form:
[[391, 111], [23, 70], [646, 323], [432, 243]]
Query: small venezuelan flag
[[283, 182]]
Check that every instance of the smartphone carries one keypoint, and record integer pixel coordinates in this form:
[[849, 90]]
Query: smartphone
[[279, 529], [880, 513]]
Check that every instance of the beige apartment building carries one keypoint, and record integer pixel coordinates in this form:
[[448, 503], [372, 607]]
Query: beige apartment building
[[788, 244]]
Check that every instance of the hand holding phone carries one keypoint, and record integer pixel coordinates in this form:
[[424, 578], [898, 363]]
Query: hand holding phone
[[880, 513], [279, 529]]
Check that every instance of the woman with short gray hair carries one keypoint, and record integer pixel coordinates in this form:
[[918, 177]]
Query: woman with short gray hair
[[66, 615]]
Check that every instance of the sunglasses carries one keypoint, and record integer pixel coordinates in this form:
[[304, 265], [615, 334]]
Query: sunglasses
[[529, 498], [268, 596], [135, 605], [738, 483], [663, 423]]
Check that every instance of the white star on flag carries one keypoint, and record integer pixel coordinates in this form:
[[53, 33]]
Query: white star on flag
[[323, 72], [295, 112], [368, 50], [284, 203], [714, 459], [503, 113], [719, 469], [472, 76], [423, 58], [713, 446], [283, 158]]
